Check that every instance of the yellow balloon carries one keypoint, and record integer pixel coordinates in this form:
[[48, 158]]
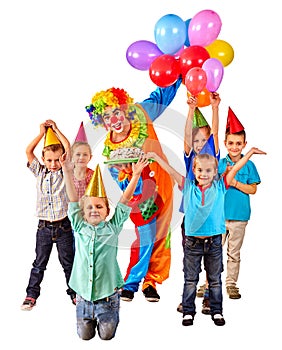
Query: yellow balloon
[[221, 50]]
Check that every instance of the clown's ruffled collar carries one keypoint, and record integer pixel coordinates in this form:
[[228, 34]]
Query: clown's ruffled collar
[[136, 136]]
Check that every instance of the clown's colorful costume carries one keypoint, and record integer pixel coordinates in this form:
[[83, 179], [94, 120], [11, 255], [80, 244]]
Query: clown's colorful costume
[[152, 202]]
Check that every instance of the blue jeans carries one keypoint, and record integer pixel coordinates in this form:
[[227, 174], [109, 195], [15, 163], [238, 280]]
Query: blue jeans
[[211, 250], [59, 233], [101, 314]]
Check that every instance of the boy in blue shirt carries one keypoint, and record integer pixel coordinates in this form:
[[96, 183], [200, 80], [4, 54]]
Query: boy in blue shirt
[[204, 224], [244, 183]]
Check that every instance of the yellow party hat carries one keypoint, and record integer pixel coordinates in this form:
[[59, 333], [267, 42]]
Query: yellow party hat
[[51, 138], [96, 187]]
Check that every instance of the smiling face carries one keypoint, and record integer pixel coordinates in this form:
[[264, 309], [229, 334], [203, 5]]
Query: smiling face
[[205, 169], [235, 143], [115, 120], [95, 209], [81, 155]]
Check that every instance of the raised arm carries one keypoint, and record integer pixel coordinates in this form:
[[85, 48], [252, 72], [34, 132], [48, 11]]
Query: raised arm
[[67, 167], [159, 99], [136, 172], [215, 101], [64, 141], [31, 147], [245, 188], [188, 143], [237, 166], [177, 177]]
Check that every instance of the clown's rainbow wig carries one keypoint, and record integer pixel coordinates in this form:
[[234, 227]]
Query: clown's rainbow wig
[[113, 97]]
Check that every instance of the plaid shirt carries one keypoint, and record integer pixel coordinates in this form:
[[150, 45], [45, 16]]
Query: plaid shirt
[[81, 185], [52, 199]]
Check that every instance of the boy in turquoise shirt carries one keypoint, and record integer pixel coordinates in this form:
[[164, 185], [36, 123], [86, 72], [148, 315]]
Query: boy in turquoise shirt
[[96, 276], [236, 215]]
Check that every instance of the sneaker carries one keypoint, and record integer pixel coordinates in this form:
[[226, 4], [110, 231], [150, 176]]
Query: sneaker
[[151, 294], [180, 308], [206, 306], [28, 304], [233, 292], [218, 320], [201, 291], [187, 320], [127, 295], [73, 298]]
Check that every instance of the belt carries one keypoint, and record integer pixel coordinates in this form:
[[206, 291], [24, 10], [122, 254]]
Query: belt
[[107, 299], [57, 223], [204, 240]]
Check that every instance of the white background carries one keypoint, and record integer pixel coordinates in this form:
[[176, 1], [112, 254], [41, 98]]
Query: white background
[[54, 56]]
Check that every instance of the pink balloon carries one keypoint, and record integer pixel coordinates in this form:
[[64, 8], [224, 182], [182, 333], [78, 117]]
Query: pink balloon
[[214, 71], [142, 53], [195, 80], [204, 28]]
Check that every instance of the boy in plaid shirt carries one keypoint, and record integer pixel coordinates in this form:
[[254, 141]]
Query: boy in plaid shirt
[[51, 210]]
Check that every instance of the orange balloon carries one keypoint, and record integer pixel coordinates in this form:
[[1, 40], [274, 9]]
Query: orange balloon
[[203, 98], [221, 50]]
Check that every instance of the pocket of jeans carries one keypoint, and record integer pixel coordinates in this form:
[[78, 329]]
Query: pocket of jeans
[[190, 242], [41, 225], [66, 228], [217, 241], [114, 301]]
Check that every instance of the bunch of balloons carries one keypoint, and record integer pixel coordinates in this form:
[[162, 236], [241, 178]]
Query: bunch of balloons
[[190, 49]]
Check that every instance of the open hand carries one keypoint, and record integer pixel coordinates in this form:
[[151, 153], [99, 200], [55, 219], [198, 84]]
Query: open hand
[[140, 165]]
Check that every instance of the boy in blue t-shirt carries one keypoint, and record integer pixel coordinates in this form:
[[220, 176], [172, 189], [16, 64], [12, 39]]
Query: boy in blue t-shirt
[[236, 216], [204, 224]]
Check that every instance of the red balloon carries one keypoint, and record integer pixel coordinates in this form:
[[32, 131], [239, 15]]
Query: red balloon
[[164, 70], [195, 80], [192, 56]]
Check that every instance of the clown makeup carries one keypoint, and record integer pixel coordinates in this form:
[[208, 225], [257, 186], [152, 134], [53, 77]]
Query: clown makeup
[[114, 119]]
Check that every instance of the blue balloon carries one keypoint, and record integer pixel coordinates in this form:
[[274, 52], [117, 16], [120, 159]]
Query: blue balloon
[[170, 33], [187, 41]]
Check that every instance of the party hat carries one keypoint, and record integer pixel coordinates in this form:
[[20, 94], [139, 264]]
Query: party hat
[[81, 135], [233, 124], [96, 187], [199, 120], [209, 147], [51, 138]]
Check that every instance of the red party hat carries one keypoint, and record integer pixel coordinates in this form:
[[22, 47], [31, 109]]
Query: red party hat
[[81, 135], [233, 123]]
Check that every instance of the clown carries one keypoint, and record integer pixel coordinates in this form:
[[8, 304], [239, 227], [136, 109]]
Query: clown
[[129, 125]]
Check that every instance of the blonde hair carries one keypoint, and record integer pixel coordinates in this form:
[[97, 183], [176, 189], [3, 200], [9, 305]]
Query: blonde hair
[[80, 143], [207, 156]]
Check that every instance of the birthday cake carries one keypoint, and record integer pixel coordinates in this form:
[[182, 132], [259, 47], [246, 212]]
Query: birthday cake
[[125, 155]]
